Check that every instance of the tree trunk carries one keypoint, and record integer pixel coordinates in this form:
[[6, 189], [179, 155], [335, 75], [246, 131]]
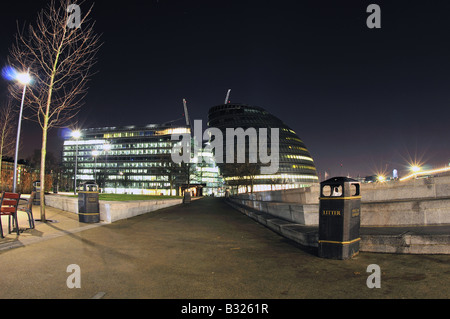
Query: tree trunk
[[42, 173]]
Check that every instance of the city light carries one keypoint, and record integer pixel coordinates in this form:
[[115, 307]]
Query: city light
[[415, 168], [429, 172]]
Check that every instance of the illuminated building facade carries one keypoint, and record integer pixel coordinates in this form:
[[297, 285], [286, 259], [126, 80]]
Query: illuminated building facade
[[207, 173], [7, 172], [296, 166], [129, 159]]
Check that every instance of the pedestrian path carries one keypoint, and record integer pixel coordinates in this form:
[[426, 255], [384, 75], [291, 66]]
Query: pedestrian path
[[408, 239], [59, 223]]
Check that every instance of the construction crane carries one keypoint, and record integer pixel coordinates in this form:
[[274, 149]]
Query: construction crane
[[186, 115], [228, 96]]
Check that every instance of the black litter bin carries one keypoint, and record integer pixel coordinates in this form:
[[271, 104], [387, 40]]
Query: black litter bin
[[37, 189], [339, 218], [187, 197], [88, 205]]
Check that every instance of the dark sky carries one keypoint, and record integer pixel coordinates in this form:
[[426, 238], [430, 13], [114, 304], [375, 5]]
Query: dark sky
[[366, 99]]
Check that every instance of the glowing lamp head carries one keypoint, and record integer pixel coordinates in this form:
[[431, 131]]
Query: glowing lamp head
[[11, 74], [23, 78], [381, 178], [94, 153]]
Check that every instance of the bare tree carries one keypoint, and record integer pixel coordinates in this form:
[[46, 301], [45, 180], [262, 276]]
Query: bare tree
[[249, 171], [172, 170], [60, 57], [7, 130]]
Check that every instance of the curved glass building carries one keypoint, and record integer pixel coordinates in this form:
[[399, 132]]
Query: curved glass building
[[296, 167]]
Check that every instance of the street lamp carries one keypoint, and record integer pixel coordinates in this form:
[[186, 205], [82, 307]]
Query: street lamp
[[106, 148], [95, 154], [24, 79], [76, 135]]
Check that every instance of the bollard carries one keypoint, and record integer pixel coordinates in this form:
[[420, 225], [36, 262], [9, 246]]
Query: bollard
[[187, 197]]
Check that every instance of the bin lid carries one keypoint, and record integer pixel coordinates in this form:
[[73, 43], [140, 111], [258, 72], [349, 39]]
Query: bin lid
[[88, 186], [340, 188]]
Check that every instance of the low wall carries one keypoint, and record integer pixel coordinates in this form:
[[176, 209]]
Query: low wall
[[406, 212], [422, 188], [305, 214], [424, 201], [386, 241], [111, 211], [306, 195]]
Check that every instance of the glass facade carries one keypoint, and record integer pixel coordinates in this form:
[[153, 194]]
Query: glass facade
[[296, 166], [208, 174], [127, 159]]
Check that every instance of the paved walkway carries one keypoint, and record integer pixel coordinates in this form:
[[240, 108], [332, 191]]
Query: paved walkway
[[60, 223], [203, 249]]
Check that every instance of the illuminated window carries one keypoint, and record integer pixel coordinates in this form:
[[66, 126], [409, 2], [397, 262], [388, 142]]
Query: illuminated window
[[299, 157]]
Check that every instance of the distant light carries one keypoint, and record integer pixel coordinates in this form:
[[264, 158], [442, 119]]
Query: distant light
[[424, 173], [94, 153], [415, 168], [381, 178], [395, 173]]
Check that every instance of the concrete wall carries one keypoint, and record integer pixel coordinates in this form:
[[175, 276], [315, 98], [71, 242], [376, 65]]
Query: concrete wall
[[423, 201], [422, 188], [111, 211], [305, 214], [307, 195], [406, 212], [414, 202]]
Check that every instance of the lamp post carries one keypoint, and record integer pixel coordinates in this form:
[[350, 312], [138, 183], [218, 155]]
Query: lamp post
[[76, 135], [95, 154], [23, 78], [106, 148]]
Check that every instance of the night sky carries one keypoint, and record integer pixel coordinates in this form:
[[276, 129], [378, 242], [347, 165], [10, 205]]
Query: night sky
[[363, 100]]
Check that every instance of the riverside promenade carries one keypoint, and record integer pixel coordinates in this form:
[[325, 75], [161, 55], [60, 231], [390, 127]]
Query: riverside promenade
[[202, 250]]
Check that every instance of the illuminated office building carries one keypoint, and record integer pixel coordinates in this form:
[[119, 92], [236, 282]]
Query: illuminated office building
[[129, 159], [296, 166]]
